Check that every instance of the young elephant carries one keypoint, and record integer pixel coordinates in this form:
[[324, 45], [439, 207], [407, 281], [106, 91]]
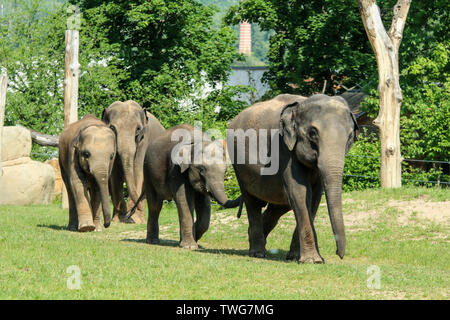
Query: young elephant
[[87, 150], [189, 182]]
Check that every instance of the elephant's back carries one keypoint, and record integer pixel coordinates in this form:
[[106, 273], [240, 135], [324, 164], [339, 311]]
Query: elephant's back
[[263, 115]]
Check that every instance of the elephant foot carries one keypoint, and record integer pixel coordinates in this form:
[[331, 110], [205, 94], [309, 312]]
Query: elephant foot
[[257, 253], [98, 227], [313, 258], [152, 241], [86, 227], [293, 256], [72, 227], [189, 244]]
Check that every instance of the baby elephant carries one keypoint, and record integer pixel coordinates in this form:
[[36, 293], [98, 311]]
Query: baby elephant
[[86, 154], [189, 172]]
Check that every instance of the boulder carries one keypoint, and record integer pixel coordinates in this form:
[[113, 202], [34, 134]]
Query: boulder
[[27, 183], [16, 143], [23, 181]]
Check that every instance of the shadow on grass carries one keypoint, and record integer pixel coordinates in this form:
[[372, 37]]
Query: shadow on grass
[[53, 227], [280, 256], [162, 242]]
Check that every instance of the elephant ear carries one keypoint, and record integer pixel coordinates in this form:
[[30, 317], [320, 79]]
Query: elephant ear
[[105, 116], [287, 125], [182, 156], [355, 128], [144, 116]]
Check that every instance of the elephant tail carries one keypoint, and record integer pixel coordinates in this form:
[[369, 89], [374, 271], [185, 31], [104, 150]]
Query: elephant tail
[[130, 213], [241, 204]]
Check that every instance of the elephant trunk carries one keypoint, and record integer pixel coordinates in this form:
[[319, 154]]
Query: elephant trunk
[[102, 181], [127, 159], [332, 173], [217, 190]]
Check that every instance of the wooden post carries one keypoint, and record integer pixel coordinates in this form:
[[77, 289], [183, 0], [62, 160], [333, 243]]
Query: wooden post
[[3, 88], [72, 71], [385, 46]]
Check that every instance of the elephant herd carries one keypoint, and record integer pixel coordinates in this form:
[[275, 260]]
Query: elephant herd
[[285, 152]]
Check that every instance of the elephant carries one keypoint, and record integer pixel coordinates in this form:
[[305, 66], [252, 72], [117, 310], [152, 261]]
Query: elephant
[[134, 128], [87, 150], [190, 183], [313, 136]]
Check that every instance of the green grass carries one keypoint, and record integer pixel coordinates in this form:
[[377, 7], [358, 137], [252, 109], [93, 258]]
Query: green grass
[[413, 257]]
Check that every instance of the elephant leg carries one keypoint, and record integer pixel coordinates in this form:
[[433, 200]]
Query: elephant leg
[[203, 214], [73, 216], [83, 207], [116, 187], [183, 196], [299, 191], [294, 251], [271, 216], [96, 208], [154, 208], [256, 236]]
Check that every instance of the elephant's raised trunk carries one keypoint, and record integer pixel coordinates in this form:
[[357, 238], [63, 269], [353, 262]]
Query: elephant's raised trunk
[[332, 173]]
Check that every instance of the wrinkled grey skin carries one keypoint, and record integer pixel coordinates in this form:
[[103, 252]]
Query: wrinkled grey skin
[[86, 155], [134, 128], [189, 185], [315, 134]]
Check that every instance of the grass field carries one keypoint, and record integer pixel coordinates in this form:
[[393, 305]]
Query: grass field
[[403, 234]]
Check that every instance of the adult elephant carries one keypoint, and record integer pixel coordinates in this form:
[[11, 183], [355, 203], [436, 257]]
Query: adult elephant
[[86, 155], [134, 128], [313, 135]]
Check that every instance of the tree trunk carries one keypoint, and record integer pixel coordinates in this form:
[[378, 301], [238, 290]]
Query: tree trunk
[[385, 46], [72, 70], [3, 87]]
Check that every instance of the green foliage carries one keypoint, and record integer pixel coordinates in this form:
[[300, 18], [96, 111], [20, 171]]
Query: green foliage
[[322, 40], [167, 52], [362, 164], [32, 54]]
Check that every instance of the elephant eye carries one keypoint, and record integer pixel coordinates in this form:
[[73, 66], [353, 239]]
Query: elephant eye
[[138, 130], [111, 156], [313, 134], [86, 154]]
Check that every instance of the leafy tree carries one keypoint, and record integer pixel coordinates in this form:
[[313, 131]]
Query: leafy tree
[[167, 51], [316, 41]]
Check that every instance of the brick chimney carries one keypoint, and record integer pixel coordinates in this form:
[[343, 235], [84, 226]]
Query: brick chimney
[[245, 38]]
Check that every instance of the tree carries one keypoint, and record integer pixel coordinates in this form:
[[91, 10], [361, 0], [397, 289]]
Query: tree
[[167, 50], [314, 43], [386, 46]]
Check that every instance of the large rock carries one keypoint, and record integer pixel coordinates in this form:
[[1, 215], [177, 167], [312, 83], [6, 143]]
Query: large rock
[[23, 181], [28, 183], [16, 143]]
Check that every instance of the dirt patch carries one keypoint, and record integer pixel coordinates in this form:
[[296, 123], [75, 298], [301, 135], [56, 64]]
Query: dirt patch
[[359, 218], [438, 212]]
